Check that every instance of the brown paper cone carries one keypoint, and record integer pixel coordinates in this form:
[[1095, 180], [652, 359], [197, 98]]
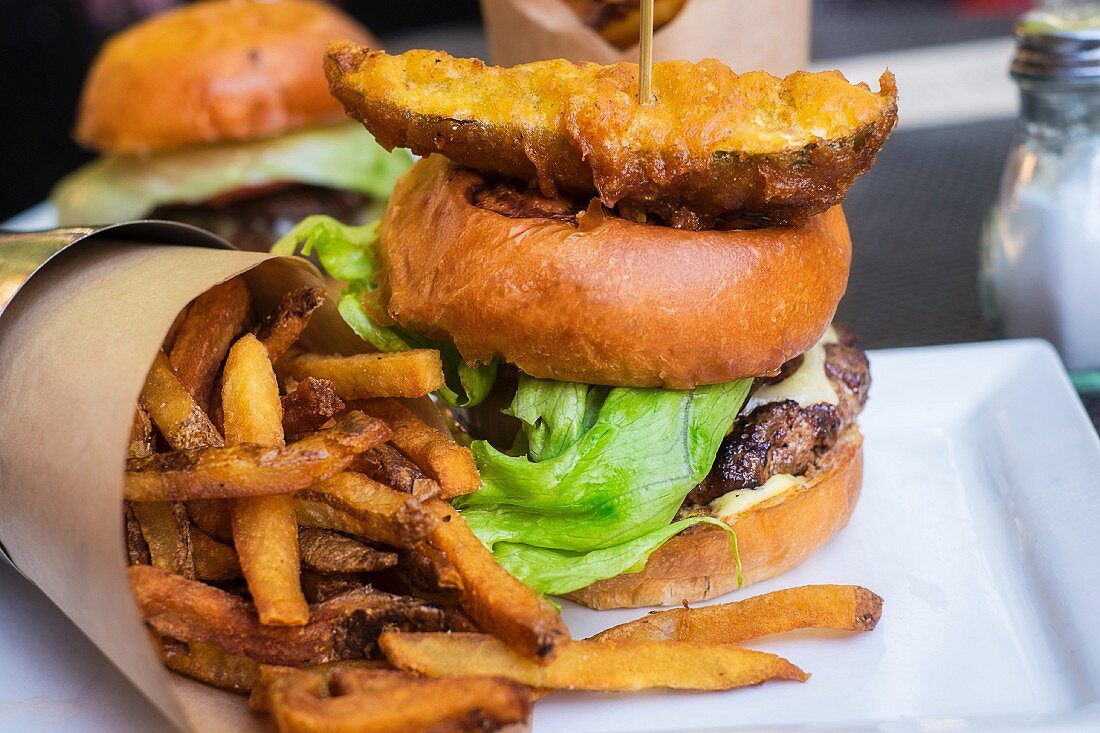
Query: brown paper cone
[[75, 346], [743, 34]]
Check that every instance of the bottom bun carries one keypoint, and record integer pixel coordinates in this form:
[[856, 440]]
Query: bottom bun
[[771, 537]]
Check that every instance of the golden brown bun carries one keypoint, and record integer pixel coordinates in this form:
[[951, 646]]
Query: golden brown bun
[[621, 303], [771, 538], [213, 71]]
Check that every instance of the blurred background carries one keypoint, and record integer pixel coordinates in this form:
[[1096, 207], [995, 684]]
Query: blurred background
[[47, 46], [917, 218]]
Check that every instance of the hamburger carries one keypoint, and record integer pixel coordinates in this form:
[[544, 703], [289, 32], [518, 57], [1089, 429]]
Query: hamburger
[[218, 114], [633, 302]]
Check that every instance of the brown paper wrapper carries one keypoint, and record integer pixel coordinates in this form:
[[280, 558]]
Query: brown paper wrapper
[[743, 34], [75, 345]]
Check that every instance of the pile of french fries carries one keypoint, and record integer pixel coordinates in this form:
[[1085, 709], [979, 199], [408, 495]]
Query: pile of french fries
[[289, 535]]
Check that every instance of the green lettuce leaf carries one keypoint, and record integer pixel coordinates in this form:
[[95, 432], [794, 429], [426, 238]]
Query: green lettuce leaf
[[466, 385], [121, 188], [348, 254], [612, 488], [382, 338], [557, 572], [554, 415]]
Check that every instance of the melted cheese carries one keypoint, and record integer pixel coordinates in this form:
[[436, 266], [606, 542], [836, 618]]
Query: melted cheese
[[727, 506], [807, 386]]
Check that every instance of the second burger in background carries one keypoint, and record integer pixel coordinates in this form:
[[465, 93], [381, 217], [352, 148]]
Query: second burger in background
[[218, 114]]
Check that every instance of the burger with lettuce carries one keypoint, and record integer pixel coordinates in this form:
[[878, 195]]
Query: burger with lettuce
[[659, 413], [218, 114]]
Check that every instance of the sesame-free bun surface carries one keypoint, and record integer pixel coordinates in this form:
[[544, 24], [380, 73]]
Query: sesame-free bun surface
[[772, 537], [618, 302], [220, 70]]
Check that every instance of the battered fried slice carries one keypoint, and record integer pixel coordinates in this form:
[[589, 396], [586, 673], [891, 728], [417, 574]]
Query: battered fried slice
[[715, 148]]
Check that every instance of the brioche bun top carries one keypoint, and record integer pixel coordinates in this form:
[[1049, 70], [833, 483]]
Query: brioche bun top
[[222, 70], [610, 302]]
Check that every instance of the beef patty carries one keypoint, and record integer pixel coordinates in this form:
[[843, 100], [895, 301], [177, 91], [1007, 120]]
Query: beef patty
[[255, 222], [785, 437]]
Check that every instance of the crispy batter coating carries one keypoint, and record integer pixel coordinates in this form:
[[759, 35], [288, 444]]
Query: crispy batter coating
[[715, 148]]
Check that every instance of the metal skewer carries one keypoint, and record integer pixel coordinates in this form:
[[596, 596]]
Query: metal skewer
[[645, 62]]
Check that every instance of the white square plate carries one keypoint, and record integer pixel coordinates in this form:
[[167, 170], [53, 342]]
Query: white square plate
[[978, 524]]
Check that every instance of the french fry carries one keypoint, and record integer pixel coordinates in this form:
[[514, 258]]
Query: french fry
[[211, 664], [141, 445], [174, 329], [497, 601], [428, 566], [589, 665], [311, 404], [253, 470], [449, 463], [178, 417], [213, 322], [212, 517], [341, 628], [384, 701], [282, 327], [141, 435], [325, 551], [841, 607], [213, 560], [208, 663], [265, 532], [267, 673], [385, 515], [137, 550], [388, 465], [389, 374], [319, 588], [167, 535], [323, 516], [265, 535], [430, 574]]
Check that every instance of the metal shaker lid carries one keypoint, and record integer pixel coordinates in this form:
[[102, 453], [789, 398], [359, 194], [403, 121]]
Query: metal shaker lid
[[1058, 44], [22, 254]]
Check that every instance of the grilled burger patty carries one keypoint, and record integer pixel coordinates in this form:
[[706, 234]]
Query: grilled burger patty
[[255, 222], [786, 437]]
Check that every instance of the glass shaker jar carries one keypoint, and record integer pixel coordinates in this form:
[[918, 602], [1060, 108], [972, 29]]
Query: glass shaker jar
[[1041, 259]]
